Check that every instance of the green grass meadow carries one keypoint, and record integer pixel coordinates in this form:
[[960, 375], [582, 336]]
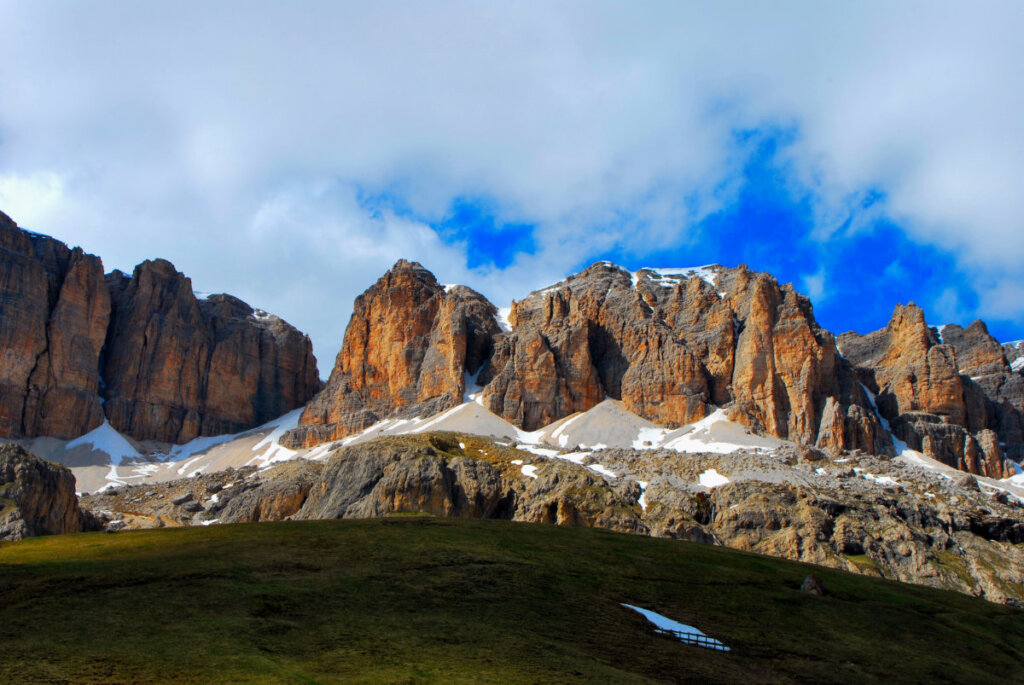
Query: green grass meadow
[[417, 599]]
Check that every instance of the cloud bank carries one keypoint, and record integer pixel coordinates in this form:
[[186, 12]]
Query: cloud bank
[[315, 143]]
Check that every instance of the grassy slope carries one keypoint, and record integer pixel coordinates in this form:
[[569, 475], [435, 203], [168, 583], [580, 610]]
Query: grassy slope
[[410, 598]]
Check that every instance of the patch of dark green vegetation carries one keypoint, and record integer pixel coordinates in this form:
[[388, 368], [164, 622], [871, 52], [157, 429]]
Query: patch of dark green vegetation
[[418, 599]]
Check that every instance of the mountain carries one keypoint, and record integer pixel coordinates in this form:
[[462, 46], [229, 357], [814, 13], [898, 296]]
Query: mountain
[[141, 352], [953, 395], [673, 345]]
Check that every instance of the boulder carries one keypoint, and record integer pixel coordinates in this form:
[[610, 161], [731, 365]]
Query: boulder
[[37, 497]]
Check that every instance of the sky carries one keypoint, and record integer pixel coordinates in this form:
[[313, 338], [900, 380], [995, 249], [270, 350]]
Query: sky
[[870, 153]]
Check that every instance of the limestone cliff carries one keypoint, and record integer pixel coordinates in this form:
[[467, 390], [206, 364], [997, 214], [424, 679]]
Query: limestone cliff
[[407, 351], [955, 398], [669, 345], [143, 351], [54, 311], [176, 367]]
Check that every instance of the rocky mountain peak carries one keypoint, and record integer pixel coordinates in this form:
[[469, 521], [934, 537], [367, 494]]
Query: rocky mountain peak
[[670, 343], [953, 397], [408, 349], [172, 367]]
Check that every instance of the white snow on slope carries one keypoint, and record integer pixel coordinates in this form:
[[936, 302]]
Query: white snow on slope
[[502, 319], [529, 471], [105, 439], [198, 445], [712, 479], [714, 433], [680, 630], [670, 277], [276, 452], [603, 470]]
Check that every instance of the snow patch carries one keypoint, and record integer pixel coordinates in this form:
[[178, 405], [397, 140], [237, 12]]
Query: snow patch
[[105, 439], [712, 479], [680, 630], [502, 319], [539, 451], [670, 277], [643, 494], [574, 457], [529, 471], [603, 470]]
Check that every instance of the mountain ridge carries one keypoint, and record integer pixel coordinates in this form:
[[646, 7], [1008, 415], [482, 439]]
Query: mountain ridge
[[673, 345], [140, 351]]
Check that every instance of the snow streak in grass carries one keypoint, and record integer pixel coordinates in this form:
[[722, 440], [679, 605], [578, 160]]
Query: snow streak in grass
[[686, 633]]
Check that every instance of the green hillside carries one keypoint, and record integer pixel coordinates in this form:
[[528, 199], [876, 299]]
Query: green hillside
[[416, 599]]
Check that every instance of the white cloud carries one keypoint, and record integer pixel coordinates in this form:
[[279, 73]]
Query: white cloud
[[814, 285], [33, 198], [196, 130]]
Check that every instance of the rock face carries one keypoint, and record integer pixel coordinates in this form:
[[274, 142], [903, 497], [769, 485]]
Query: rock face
[[955, 398], [407, 351], [670, 345], [911, 525], [54, 311], [36, 497], [176, 367], [161, 365]]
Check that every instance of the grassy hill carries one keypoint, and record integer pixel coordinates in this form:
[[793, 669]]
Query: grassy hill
[[411, 599]]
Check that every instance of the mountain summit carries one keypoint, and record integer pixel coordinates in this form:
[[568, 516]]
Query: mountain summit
[[673, 345]]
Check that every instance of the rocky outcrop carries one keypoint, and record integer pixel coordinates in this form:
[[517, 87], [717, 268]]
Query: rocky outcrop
[[160, 364], [860, 513], [669, 345], [176, 367], [955, 398], [53, 320], [407, 351], [36, 497]]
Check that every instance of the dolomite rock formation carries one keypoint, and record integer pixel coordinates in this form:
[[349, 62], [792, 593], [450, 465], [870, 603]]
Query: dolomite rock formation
[[955, 398], [36, 497], [407, 351], [176, 367], [669, 345], [913, 525], [54, 310], [76, 346]]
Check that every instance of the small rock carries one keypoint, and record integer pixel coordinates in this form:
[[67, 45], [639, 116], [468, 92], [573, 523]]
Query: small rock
[[193, 507], [181, 499], [1014, 602], [966, 481], [812, 585], [214, 488]]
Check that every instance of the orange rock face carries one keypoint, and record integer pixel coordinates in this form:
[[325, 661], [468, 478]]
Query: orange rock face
[[954, 398], [176, 367], [407, 350], [55, 309], [670, 346], [169, 367]]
